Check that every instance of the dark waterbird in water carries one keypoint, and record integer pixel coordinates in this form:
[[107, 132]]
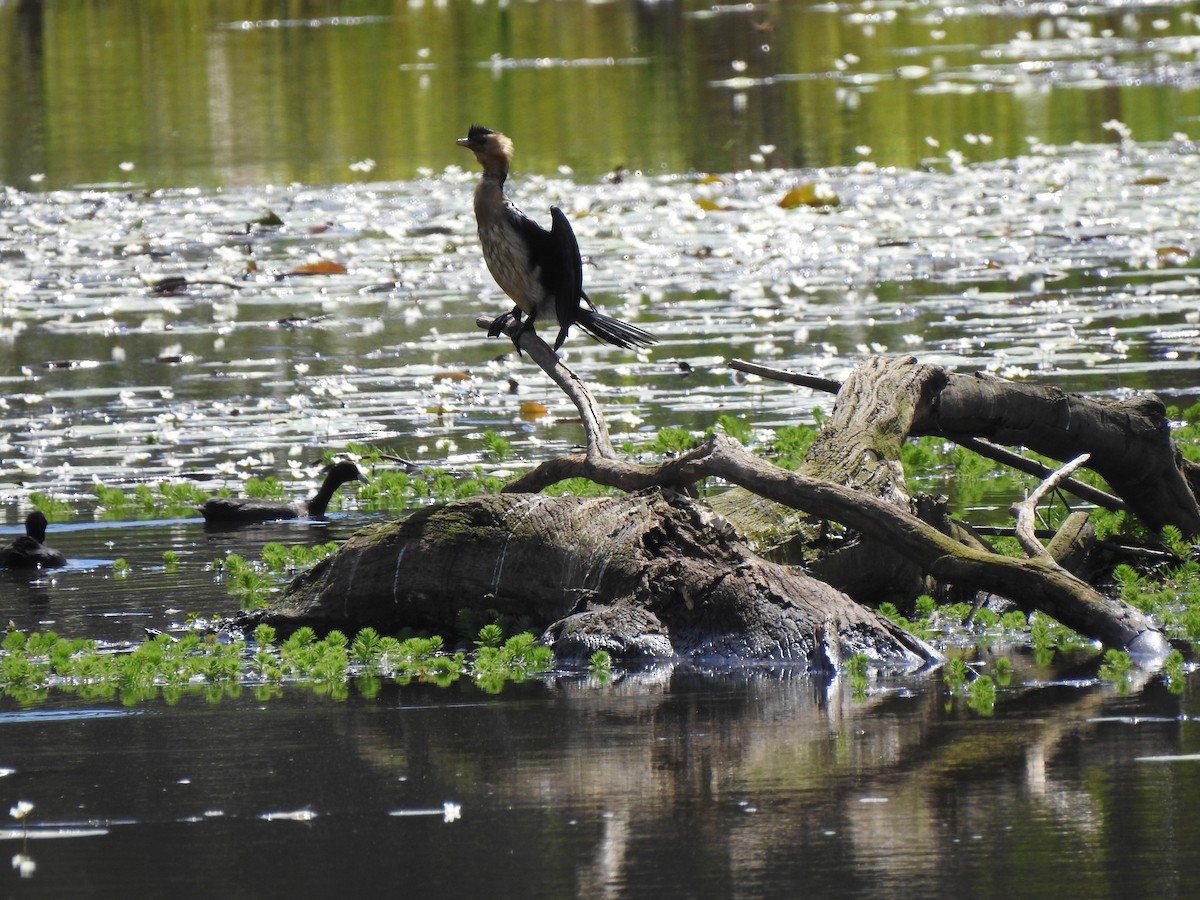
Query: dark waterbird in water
[[540, 270], [30, 550], [246, 511]]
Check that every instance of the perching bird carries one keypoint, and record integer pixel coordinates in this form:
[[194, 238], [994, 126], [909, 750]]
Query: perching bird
[[246, 511], [540, 270], [30, 550]]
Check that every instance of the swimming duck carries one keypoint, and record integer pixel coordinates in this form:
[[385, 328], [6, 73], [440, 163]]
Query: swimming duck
[[540, 270], [30, 550], [248, 510]]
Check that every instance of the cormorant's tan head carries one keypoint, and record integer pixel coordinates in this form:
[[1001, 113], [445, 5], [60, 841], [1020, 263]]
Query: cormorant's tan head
[[493, 149]]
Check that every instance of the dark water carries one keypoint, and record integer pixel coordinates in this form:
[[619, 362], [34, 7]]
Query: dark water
[[679, 784], [1016, 194]]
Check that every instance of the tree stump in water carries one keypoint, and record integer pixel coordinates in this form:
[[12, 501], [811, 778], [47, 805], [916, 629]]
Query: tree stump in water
[[658, 574], [650, 575]]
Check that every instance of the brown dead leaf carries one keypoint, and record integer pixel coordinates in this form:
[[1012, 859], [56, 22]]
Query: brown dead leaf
[[320, 267]]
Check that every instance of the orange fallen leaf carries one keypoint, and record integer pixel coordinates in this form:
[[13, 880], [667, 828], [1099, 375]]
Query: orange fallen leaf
[[531, 409], [1173, 255], [452, 376], [320, 267]]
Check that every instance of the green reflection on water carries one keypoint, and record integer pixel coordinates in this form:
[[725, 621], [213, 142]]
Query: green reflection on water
[[204, 93]]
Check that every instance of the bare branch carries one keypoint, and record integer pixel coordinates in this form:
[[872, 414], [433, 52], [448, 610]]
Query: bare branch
[[594, 426], [1026, 511]]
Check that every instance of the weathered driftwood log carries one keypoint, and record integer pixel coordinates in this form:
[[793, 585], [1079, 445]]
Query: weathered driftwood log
[[860, 484], [888, 399], [650, 575], [647, 574]]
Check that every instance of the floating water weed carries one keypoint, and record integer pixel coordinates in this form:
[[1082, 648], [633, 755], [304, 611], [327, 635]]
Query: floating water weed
[[981, 695], [514, 660], [54, 509], [672, 442], [365, 649], [1116, 668], [790, 445], [858, 669], [737, 428], [957, 673], [1174, 672], [490, 635], [600, 665], [255, 583], [496, 447], [1004, 671], [579, 487]]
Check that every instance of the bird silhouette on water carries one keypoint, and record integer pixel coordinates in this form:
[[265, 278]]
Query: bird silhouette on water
[[540, 270], [233, 511], [30, 550]]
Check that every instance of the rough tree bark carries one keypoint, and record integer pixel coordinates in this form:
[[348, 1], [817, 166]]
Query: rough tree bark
[[658, 574]]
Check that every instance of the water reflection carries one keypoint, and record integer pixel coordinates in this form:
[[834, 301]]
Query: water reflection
[[680, 782], [322, 92]]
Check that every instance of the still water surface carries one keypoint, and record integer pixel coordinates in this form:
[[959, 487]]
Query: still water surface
[[679, 784], [970, 229]]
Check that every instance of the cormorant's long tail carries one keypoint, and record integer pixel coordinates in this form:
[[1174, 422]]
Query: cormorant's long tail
[[610, 330]]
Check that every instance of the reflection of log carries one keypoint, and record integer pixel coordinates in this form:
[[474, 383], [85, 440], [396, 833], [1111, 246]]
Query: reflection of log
[[653, 573]]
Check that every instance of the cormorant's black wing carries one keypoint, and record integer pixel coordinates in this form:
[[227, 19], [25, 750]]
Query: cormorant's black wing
[[568, 280]]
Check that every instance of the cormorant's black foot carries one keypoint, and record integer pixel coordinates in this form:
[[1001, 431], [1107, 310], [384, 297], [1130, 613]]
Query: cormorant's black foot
[[501, 322], [518, 331]]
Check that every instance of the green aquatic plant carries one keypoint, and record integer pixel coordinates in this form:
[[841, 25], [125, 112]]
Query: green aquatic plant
[[490, 636], [858, 665], [924, 606], [579, 487], [516, 659], [1174, 672], [1004, 671], [366, 647], [496, 447], [858, 669], [1014, 621], [1116, 667], [957, 674], [735, 427], [671, 441], [981, 695], [52, 508], [166, 497], [254, 583], [600, 665], [790, 445]]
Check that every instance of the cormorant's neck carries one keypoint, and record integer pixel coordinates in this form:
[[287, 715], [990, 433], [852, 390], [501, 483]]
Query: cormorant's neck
[[320, 500]]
